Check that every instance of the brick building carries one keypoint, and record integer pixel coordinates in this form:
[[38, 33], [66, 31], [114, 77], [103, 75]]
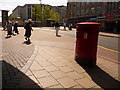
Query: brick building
[[107, 13]]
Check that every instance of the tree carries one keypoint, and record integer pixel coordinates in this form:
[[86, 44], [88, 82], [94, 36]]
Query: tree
[[37, 12], [55, 16], [11, 17], [45, 14]]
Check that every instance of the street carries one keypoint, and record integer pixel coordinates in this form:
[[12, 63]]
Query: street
[[50, 58], [108, 42], [108, 45]]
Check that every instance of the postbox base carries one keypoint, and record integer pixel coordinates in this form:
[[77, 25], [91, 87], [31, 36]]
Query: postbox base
[[85, 62]]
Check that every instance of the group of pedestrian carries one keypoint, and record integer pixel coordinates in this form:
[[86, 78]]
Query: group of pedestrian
[[8, 26], [28, 28], [69, 26], [13, 28]]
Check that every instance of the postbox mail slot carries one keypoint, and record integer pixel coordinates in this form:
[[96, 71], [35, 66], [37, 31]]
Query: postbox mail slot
[[85, 35]]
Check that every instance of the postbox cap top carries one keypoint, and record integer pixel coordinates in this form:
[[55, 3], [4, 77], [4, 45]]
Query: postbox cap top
[[88, 23]]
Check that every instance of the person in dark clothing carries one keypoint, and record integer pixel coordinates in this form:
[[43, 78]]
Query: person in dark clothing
[[9, 29], [57, 28], [70, 27], [4, 26], [16, 27], [28, 28], [64, 26]]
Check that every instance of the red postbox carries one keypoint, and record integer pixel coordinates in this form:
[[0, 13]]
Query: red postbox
[[86, 43]]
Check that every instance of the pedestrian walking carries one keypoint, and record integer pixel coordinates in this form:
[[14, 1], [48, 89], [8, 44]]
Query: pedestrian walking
[[4, 25], [70, 27], [57, 28], [64, 26], [9, 29], [28, 29], [16, 27]]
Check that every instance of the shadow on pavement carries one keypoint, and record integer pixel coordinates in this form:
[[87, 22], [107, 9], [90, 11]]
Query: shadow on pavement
[[101, 78], [19, 81], [27, 42], [8, 37]]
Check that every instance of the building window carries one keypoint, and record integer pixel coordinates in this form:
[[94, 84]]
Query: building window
[[87, 11], [74, 5], [83, 3], [98, 10], [93, 10], [87, 3], [77, 14], [78, 4], [82, 12]]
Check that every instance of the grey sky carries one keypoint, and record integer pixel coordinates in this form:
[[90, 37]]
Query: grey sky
[[11, 4]]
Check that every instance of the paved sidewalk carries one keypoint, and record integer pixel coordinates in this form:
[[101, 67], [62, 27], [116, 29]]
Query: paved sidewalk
[[52, 65], [15, 54], [109, 35], [55, 64]]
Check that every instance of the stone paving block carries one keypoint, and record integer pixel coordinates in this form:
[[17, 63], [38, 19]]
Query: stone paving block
[[58, 74], [59, 64], [34, 79], [35, 66], [84, 74], [67, 82], [58, 57], [52, 60], [57, 87], [77, 68], [74, 75], [78, 87], [86, 82], [44, 64], [97, 87], [29, 73], [65, 61], [48, 57], [66, 69], [41, 73], [51, 68], [40, 59], [47, 81], [71, 64]]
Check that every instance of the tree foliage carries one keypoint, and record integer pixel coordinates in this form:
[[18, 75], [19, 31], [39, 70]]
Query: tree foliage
[[44, 13], [10, 17], [37, 12]]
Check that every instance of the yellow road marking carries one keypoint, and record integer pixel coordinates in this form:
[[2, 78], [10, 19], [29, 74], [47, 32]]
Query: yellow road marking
[[108, 49]]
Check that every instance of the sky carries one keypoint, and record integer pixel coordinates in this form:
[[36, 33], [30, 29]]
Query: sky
[[12, 4]]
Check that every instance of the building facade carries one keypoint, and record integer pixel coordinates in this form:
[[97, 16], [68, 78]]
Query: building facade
[[25, 12], [107, 13], [61, 11]]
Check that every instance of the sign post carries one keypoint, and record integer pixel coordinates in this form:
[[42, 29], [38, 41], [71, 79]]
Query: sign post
[[4, 16]]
